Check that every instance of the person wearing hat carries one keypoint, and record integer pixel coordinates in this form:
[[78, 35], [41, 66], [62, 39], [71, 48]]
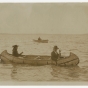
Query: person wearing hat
[[15, 52], [54, 54]]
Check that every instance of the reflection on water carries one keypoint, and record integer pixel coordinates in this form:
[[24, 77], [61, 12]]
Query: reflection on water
[[14, 72], [31, 73], [48, 73], [68, 73]]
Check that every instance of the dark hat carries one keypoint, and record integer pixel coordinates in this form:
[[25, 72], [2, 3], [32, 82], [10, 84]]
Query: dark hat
[[55, 47], [15, 45]]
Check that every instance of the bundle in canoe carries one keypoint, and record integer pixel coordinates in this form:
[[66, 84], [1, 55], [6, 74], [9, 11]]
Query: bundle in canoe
[[71, 60], [41, 41]]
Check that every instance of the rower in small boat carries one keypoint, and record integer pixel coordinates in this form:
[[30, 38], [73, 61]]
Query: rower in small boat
[[39, 38], [55, 54], [15, 52]]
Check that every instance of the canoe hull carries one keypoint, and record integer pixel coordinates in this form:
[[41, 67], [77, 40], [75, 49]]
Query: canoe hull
[[72, 60]]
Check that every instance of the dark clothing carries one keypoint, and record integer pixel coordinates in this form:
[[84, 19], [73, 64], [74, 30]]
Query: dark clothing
[[39, 38], [15, 52], [54, 56]]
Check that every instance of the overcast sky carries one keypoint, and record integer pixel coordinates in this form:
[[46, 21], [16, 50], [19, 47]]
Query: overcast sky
[[29, 18]]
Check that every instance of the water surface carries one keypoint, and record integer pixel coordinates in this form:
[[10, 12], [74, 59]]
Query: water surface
[[77, 44]]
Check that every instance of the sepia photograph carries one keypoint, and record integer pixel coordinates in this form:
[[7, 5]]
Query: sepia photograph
[[43, 43]]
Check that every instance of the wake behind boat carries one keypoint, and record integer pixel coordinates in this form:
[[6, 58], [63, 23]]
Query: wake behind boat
[[7, 58]]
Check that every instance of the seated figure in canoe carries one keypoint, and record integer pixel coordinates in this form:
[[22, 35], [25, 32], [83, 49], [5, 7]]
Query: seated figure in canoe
[[55, 55], [39, 38], [15, 52]]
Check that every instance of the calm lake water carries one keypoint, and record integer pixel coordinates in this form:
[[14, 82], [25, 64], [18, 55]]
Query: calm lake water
[[77, 44]]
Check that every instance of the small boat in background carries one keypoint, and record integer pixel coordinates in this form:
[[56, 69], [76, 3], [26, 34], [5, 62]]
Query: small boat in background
[[40, 40]]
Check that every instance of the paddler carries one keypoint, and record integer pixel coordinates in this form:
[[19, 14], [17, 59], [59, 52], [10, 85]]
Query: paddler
[[15, 52], [54, 54], [39, 38]]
